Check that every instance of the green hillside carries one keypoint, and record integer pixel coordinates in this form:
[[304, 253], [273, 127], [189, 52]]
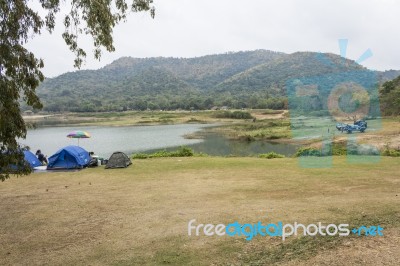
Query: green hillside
[[272, 76], [201, 72], [252, 79]]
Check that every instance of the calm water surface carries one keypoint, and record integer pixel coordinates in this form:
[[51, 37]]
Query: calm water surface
[[105, 140]]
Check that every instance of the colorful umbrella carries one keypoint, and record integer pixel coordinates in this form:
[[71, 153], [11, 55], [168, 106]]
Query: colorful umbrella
[[78, 134]]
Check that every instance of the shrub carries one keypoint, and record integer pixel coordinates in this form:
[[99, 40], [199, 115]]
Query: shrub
[[181, 152], [307, 152], [140, 156], [234, 115], [271, 155], [163, 153], [339, 149], [391, 153]]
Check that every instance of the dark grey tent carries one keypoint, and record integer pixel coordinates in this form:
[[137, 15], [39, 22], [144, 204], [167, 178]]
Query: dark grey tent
[[118, 160]]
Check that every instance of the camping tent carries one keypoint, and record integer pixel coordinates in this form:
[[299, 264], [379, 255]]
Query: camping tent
[[70, 157], [32, 159], [118, 160]]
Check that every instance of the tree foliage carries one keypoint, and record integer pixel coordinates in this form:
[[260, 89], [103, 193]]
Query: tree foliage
[[390, 97], [20, 70]]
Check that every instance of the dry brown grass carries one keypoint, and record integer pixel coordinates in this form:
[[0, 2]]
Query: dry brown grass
[[139, 215]]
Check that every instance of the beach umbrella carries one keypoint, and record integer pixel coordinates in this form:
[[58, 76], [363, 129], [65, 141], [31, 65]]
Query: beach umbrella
[[78, 134]]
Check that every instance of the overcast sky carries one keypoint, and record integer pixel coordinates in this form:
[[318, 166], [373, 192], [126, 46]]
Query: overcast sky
[[189, 28]]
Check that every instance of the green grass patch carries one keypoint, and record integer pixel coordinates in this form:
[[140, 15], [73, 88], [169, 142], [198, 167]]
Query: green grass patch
[[261, 130]]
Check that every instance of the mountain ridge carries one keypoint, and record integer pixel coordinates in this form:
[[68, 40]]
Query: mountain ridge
[[233, 79]]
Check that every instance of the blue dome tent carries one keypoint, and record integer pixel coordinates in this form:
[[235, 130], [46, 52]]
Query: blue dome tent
[[31, 159], [70, 157]]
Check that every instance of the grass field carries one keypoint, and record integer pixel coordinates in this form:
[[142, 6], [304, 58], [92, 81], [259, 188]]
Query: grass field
[[139, 215]]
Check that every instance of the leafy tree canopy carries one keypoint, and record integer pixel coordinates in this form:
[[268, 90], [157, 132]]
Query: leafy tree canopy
[[390, 97], [20, 70]]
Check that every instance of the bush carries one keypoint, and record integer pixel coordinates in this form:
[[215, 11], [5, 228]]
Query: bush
[[339, 149], [391, 153], [234, 115], [140, 156], [181, 152], [307, 152], [271, 155]]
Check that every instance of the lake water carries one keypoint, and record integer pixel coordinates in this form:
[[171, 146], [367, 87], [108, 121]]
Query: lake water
[[105, 140], [215, 144]]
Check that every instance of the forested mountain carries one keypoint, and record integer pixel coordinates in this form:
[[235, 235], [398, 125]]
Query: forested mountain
[[201, 72], [272, 76], [253, 79]]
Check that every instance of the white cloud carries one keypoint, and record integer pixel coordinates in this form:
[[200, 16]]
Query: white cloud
[[187, 28]]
